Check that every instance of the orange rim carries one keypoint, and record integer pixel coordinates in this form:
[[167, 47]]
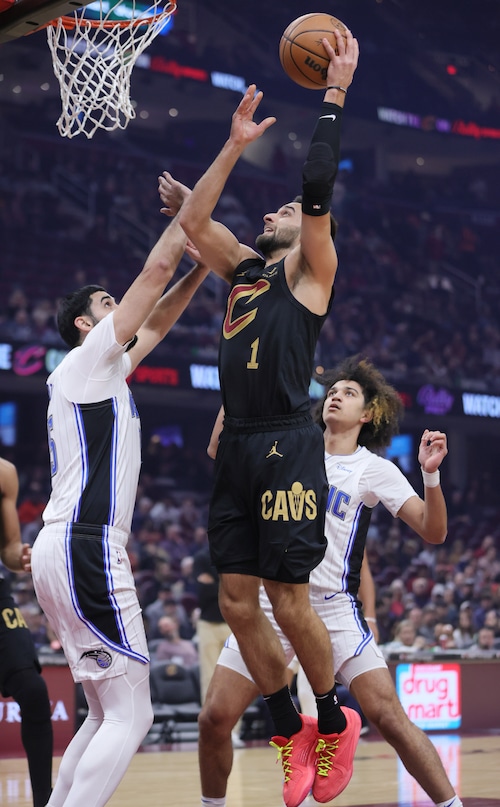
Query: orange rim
[[68, 23]]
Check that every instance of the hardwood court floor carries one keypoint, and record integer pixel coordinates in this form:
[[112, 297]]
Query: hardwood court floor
[[169, 778]]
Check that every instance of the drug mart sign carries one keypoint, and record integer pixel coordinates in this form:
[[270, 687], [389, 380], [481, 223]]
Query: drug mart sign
[[431, 694]]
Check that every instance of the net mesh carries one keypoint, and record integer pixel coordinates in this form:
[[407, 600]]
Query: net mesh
[[93, 62]]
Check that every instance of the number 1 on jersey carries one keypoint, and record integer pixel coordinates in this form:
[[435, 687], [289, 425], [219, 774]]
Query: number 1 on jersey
[[253, 363]]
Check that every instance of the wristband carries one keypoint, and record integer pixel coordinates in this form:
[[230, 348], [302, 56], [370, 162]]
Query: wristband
[[431, 480], [336, 87], [370, 619]]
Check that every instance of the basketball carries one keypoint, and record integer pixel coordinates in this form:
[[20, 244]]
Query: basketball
[[302, 54]]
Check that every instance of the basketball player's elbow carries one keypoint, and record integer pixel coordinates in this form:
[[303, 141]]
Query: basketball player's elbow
[[191, 221], [186, 218], [436, 535], [159, 271]]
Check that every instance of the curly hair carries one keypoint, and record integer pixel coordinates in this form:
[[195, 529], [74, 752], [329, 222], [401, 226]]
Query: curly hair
[[382, 400]]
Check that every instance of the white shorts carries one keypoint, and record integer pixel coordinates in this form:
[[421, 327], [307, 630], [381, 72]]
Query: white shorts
[[353, 645], [84, 584]]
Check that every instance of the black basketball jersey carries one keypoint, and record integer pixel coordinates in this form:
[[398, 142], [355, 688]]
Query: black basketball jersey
[[267, 344], [5, 591]]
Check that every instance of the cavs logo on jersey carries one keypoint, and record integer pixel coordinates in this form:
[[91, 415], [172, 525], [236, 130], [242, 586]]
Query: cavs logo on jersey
[[234, 324], [289, 505]]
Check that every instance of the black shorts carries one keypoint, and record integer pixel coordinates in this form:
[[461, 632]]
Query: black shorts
[[17, 650], [267, 512]]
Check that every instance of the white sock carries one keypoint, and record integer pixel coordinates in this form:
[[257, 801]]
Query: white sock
[[455, 802], [217, 802]]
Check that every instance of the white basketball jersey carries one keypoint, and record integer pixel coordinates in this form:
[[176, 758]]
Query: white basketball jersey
[[357, 482], [94, 434]]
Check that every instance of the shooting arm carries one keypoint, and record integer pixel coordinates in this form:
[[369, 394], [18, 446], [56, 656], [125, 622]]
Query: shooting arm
[[321, 166]]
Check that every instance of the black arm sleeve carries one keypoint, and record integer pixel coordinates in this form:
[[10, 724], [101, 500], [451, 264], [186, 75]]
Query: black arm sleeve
[[321, 166]]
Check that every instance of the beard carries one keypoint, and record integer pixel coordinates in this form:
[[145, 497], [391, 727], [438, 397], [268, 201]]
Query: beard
[[284, 238]]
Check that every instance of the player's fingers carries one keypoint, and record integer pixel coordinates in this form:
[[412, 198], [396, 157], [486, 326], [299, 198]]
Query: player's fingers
[[266, 123], [330, 50], [247, 99], [341, 42], [257, 98]]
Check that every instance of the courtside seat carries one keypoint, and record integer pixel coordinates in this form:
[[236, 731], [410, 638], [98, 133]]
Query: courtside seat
[[175, 695]]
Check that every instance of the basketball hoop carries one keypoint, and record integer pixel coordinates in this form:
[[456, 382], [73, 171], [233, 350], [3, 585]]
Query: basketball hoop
[[93, 61]]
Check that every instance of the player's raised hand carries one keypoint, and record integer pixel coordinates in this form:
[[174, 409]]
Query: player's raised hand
[[432, 451], [343, 58], [244, 129], [172, 193]]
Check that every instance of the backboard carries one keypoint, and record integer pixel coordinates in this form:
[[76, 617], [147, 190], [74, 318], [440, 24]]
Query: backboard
[[26, 16]]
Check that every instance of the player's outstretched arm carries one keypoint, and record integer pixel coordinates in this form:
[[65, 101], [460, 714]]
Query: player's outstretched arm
[[218, 246], [169, 308], [428, 517], [173, 194], [141, 297], [321, 166]]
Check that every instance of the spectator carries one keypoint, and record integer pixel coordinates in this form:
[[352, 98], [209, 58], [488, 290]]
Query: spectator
[[415, 616], [165, 605], [405, 641], [171, 646], [464, 635], [443, 637], [421, 588], [397, 608], [485, 604], [212, 631], [185, 584], [484, 646], [492, 620]]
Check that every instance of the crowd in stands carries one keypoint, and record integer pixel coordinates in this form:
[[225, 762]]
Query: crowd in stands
[[418, 288], [418, 291], [429, 599]]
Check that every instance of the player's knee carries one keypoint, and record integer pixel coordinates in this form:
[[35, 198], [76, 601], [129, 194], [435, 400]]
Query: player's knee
[[388, 717], [214, 719], [236, 612]]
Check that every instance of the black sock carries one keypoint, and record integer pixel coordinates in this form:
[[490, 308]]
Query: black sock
[[286, 719], [331, 719]]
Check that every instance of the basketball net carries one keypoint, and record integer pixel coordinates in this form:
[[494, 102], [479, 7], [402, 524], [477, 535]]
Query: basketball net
[[93, 61]]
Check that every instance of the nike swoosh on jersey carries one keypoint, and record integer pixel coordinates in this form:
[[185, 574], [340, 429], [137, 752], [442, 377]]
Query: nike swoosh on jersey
[[333, 117]]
